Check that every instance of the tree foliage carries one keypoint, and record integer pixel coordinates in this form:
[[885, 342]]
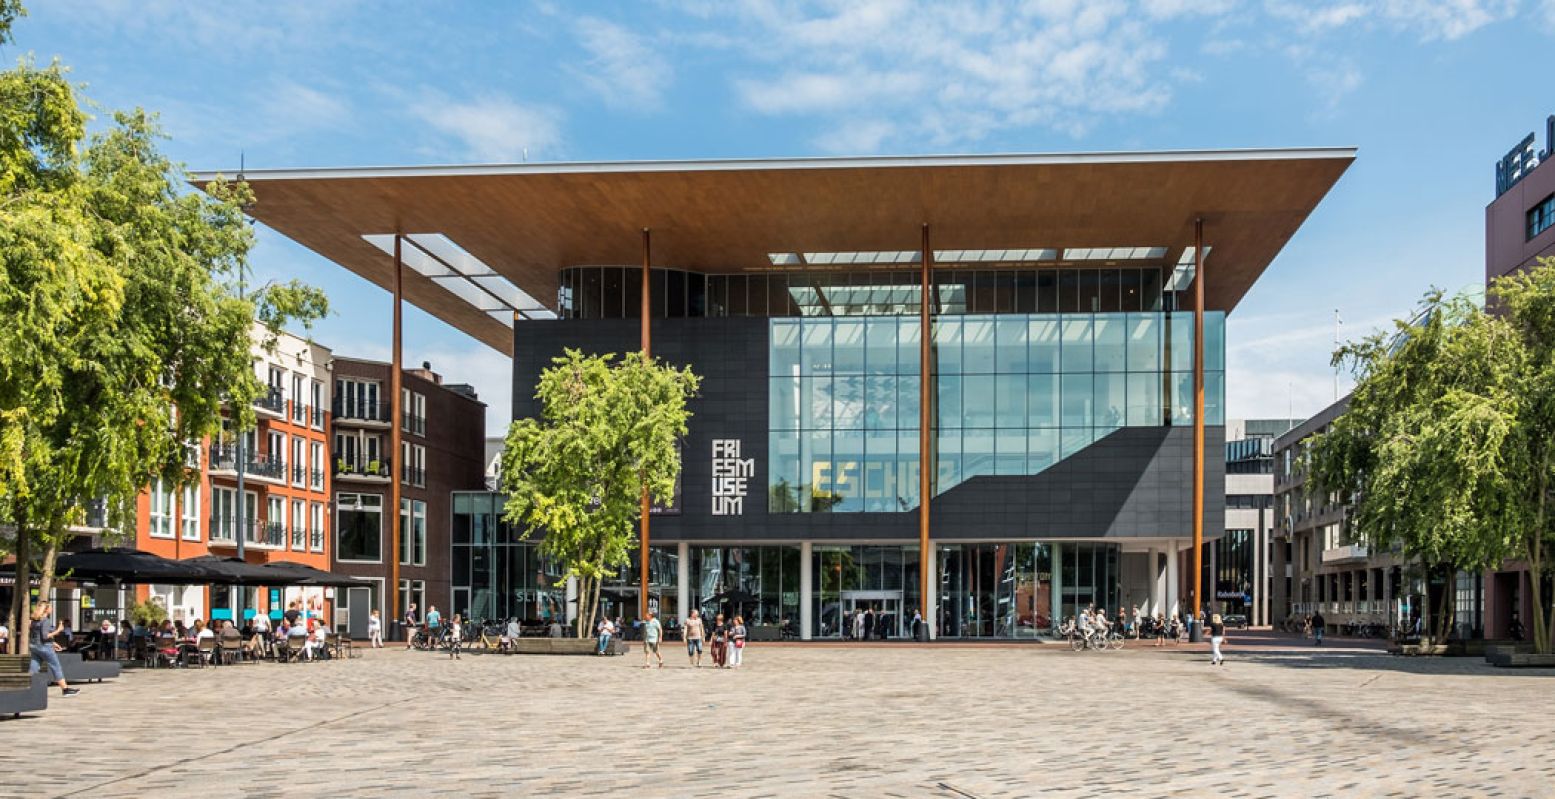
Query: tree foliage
[[1446, 447], [126, 334], [608, 431]]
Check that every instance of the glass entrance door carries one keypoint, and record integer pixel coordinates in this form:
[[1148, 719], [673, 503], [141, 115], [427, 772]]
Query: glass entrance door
[[886, 621]]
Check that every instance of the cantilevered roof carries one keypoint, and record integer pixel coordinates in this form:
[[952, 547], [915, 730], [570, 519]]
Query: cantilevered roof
[[508, 229]]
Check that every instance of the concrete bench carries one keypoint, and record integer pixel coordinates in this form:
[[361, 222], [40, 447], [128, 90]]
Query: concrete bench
[[565, 646], [21, 692], [78, 669], [1517, 657]]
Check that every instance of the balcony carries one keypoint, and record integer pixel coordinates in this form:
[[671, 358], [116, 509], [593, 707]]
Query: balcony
[[271, 402], [223, 531], [361, 413], [269, 534], [362, 469], [1346, 554]]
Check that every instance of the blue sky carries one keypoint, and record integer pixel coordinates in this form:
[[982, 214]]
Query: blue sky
[[1431, 92]]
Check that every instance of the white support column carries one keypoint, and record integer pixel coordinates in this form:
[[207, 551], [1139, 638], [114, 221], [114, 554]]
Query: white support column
[[682, 581], [1173, 605], [1157, 587], [1057, 583], [572, 600], [806, 609]]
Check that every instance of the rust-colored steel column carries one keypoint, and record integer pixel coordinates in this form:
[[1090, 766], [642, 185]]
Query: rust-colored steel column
[[1198, 416], [925, 393], [396, 364], [647, 341]]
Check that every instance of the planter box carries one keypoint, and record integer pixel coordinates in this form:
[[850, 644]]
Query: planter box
[[565, 646], [19, 692], [78, 669], [1419, 650], [1514, 659]]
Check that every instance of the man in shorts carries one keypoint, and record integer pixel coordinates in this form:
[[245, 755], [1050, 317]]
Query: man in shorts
[[652, 631], [694, 635]]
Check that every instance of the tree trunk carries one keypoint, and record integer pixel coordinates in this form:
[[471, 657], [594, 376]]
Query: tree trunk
[[1541, 632], [594, 606], [50, 555], [20, 627], [1444, 618]]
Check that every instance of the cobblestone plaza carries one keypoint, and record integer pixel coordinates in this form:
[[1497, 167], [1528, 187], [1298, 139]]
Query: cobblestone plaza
[[1279, 719]]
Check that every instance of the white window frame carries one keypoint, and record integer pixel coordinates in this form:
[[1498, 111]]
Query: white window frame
[[189, 512], [162, 510], [318, 403], [317, 465], [316, 531], [273, 503], [299, 412], [412, 511], [299, 463], [297, 532], [355, 503]]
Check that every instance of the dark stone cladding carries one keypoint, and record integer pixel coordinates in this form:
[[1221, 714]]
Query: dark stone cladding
[[1134, 482]]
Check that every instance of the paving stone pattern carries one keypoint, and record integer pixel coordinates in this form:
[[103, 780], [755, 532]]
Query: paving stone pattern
[[804, 721]]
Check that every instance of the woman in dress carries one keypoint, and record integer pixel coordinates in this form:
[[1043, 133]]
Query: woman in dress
[[375, 630], [736, 642], [719, 638]]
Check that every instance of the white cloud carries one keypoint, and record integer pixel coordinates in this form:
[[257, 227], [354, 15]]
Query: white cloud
[[855, 137], [294, 106], [1169, 9], [1546, 12], [622, 68], [489, 371], [493, 128], [952, 73], [1431, 20]]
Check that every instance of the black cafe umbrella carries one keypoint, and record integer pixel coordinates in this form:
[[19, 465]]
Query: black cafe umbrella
[[236, 571], [303, 574], [129, 565], [739, 599]]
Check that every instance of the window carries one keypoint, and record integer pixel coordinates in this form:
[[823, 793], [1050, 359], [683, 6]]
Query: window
[[413, 592], [316, 460], [299, 414], [413, 532], [358, 399], [189, 513], [161, 510], [316, 404], [277, 379], [1541, 216], [299, 525], [413, 458], [413, 412], [224, 512], [316, 527], [274, 532], [359, 527], [299, 466], [275, 465]]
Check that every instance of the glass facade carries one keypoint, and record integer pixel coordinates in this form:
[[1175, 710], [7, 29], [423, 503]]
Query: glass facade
[[849, 579], [1013, 395], [496, 575]]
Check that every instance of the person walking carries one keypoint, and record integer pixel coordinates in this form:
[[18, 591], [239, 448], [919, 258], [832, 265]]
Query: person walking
[[737, 642], [434, 620], [455, 635], [375, 630], [605, 630], [917, 625], [43, 649], [858, 624], [720, 641], [1217, 636], [412, 622], [652, 631], [694, 634], [1318, 626], [869, 623]]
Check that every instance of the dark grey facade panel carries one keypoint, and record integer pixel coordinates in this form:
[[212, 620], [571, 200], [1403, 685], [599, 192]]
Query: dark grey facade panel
[[1135, 482]]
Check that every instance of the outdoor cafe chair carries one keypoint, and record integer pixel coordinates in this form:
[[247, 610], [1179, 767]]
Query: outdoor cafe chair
[[297, 646], [203, 651]]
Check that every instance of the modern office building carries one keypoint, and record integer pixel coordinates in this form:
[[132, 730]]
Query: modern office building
[[441, 429], [983, 386]]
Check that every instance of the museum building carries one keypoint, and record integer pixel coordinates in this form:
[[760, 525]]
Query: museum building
[[991, 377]]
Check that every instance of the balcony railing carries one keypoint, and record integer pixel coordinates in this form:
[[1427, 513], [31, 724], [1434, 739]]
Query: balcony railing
[[415, 477], [316, 540], [299, 474], [362, 468], [224, 457], [299, 537], [317, 415], [224, 529], [414, 424], [360, 410], [270, 534], [316, 478], [271, 401]]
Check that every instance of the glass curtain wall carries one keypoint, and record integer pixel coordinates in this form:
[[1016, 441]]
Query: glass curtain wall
[[502, 576], [846, 580], [1088, 576], [995, 590]]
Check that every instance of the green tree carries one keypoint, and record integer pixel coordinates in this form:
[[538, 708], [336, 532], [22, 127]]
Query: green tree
[[1447, 449], [126, 334], [608, 432]]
